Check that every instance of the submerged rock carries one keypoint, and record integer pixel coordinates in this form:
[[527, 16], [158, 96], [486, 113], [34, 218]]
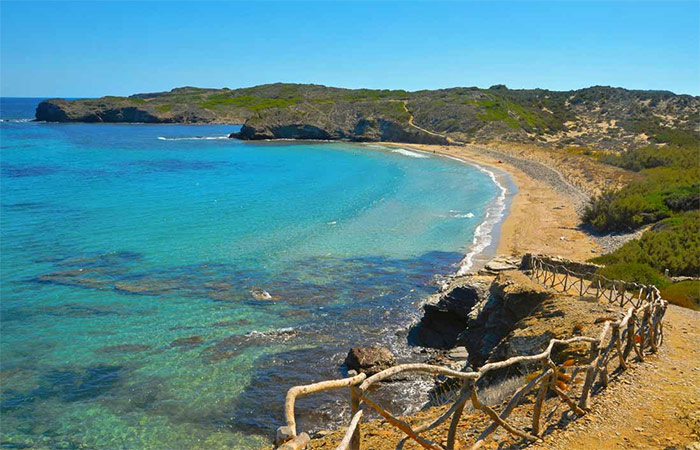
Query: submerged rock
[[369, 360], [191, 341], [260, 294]]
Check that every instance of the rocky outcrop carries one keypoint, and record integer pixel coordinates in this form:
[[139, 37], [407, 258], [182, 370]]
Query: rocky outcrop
[[351, 121], [513, 296], [96, 111], [369, 360], [445, 315]]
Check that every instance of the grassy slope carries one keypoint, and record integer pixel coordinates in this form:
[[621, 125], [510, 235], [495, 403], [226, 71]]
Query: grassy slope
[[668, 193]]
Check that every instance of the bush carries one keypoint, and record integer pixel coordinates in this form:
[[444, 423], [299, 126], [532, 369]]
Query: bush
[[684, 293], [634, 272], [670, 183], [647, 200], [672, 244]]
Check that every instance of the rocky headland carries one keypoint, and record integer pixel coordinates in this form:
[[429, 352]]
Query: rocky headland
[[595, 117]]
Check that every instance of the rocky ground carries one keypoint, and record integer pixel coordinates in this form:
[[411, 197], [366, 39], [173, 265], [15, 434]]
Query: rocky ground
[[653, 405]]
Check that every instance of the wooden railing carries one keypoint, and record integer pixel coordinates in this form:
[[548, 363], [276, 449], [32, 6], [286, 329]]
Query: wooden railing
[[640, 332]]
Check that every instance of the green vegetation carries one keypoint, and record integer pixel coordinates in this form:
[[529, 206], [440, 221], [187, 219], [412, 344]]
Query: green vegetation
[[634, 272], [653, 156], [672, 244], [668, 189], [250, 102], [137, 101], [375, 94], [684, 293], [662, 134], [495, 110], [165, 108], [670, 184]]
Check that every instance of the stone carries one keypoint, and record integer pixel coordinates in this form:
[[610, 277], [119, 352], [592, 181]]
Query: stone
[[260, 294], [369, 360], [459, 353], [498, 265], [283, 434]]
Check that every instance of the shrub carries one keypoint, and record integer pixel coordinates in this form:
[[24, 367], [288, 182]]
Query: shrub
[[672, 244], [634, 272], [645, 200], [684, 293]]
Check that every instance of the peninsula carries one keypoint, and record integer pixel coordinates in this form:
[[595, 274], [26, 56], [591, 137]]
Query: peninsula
[[597, 117]]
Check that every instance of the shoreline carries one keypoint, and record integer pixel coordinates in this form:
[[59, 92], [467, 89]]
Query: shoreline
[[537, 218]]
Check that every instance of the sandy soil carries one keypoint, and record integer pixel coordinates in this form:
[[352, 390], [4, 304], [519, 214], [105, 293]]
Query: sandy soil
[[540, 220], [655, 405]]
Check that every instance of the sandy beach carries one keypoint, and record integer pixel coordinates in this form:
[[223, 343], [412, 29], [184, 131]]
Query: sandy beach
[[540, 219]]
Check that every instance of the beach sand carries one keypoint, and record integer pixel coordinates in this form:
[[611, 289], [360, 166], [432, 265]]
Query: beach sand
[[540, 219]]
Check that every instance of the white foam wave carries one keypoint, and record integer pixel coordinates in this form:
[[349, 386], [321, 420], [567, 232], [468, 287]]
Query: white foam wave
[[494, 213], [483, 233], [16, 120], [193, 138], [460, 215], [403, 151]]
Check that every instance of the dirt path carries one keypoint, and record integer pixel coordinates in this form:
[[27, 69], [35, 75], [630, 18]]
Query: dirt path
[[410, 122], [654, 405]]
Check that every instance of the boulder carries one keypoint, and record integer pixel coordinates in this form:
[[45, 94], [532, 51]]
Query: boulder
[[445, 316], [369, 360]]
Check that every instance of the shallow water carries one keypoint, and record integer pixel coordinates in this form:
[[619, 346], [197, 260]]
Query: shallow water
[[130, 258]]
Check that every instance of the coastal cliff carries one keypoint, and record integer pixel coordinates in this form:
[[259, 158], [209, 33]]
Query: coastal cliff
[[596, 117]]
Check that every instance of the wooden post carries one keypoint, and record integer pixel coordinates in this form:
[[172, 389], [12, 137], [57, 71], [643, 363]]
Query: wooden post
[[618, 344], [452, 431], [584, 403], [652, 330], [537, 411], [354, 408], [630, 335]]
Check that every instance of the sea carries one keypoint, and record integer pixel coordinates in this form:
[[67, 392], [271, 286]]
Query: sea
[[164, 285]]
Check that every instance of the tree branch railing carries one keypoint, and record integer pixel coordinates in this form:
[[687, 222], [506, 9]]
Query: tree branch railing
[[639, 331]]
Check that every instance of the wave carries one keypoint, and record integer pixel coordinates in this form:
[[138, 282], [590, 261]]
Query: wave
[[483, 233], [16, 120], [193, 138], [460, 215], [405, 152]]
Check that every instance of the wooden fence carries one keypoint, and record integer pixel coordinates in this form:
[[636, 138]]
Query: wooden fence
[[640, 331]]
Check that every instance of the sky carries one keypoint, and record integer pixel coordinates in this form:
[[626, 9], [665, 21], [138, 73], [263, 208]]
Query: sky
[[96, 48]]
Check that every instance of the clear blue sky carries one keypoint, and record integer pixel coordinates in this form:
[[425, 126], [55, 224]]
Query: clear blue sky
[[97, 48]]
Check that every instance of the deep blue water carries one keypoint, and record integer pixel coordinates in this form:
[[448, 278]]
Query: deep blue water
[[131, 256]]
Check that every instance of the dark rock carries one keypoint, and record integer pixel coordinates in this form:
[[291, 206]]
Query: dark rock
[[369, 360], [513, 296], [191, 341], [443, 320]]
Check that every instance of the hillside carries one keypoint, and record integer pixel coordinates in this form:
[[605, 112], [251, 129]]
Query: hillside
[[597, 117]]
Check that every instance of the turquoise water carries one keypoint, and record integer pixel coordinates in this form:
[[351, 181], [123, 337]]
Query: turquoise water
[[133, 257]]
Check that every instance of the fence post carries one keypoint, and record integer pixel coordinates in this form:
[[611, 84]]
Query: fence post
[[537, 409], [584, 403], [452, 431], [618, 344], [630, 335], [354, 407]]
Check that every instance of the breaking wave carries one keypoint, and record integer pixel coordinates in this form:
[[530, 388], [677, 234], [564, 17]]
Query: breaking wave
[[193, 138]]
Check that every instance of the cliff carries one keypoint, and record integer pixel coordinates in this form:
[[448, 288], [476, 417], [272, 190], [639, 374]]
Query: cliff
[[596, 117]]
